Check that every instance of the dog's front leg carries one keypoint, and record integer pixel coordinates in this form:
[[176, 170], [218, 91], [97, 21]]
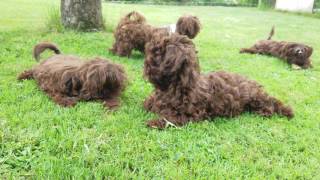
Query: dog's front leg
[[148, 103], [307, 65], [163, 123], [64, 100], [111, 103]]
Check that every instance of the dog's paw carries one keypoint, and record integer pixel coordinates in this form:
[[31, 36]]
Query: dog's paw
[[68, 102], [65, 101], [295, 67], [242, 51], [156, 124], [111, 104]]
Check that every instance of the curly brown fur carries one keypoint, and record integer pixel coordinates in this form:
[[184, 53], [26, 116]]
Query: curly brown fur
[[132, 32], [68, 79], [189, 26], [293, 53], [182, 94]]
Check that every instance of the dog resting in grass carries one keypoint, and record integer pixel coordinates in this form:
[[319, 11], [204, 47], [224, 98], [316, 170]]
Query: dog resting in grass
[[182, 94], [296, 54], [133, 32], [68, 79]]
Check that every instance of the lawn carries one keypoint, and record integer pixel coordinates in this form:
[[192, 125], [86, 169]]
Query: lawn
[[41, 140]]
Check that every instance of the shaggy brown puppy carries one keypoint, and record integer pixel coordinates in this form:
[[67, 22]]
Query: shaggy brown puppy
[[189, 26], [292, 53], [68, 79], [182, 94], [132, 32]]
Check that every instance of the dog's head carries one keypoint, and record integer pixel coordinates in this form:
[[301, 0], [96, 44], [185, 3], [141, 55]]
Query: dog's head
[[171, 60], [121, 48], [299, 54], [188, 25], [101, 78]]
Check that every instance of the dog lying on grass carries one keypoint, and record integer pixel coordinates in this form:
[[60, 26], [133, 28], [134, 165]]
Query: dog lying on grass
[[68, 79], [293, 53], [132, 32], [182, 94]]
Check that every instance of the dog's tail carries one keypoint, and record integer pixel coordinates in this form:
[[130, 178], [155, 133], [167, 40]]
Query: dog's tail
[[271, 33], [134, 17], [39, 48]]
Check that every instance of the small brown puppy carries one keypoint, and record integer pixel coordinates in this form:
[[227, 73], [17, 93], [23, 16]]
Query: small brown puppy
[[293, 53], [68, 79], [182, 94], [133, 32]]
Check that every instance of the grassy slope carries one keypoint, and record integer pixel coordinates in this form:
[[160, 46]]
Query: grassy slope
[[39, 138]]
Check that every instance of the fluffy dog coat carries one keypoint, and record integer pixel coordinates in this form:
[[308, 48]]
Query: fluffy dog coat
[[132, 32], [68, 79], [292, 53], [182, 94]]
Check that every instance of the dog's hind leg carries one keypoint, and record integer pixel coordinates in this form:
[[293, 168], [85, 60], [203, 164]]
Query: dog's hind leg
[[249, 50], [28, 74]]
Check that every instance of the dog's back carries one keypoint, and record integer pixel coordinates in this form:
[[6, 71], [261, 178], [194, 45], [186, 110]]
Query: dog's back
[[132, 18], [60, 62]]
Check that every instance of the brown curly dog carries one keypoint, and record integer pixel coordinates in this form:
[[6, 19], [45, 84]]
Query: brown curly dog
[[132, 32], [182, 94], [293, 53], [68, 79]]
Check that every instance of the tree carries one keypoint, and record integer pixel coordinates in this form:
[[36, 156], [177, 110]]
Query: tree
[[84, 15]]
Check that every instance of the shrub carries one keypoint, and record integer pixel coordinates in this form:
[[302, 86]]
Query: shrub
[[53, 22]]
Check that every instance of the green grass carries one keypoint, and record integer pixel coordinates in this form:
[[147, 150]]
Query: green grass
[[41, 140]]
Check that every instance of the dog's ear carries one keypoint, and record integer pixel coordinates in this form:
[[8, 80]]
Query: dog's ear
[[309, 51], [114, 76], [68, 87], [72, 85]]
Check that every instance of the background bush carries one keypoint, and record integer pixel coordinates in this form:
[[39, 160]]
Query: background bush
[[197, 2], [317, 4], [264, 3]]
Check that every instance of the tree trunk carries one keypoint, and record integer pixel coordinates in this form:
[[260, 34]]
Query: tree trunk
[[84, 15], [260, 4]]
